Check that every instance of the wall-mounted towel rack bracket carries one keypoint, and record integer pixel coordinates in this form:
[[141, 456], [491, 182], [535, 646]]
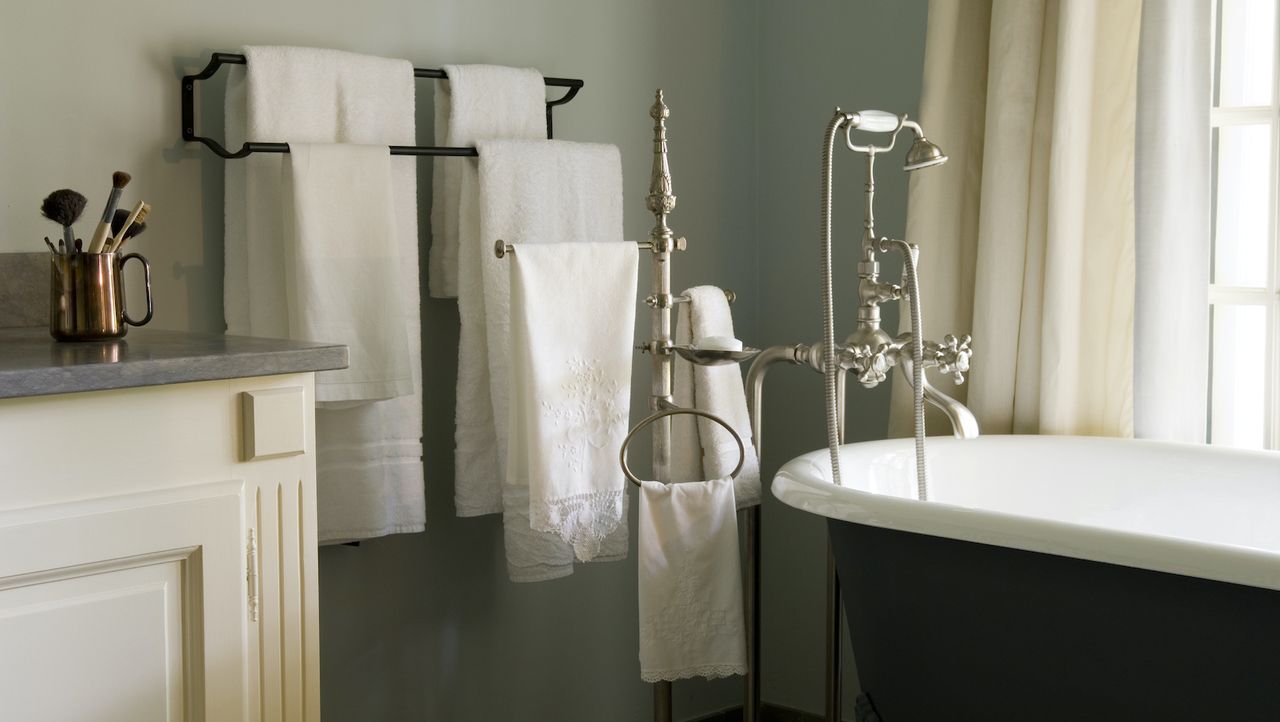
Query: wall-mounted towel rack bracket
[[217, 60]]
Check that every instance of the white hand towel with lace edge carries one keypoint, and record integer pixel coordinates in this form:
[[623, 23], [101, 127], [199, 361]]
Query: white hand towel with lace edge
[[572, 321], [690, 582], [539, 191], [701, 448]]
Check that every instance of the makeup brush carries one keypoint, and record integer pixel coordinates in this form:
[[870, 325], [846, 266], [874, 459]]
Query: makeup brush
[[119, 180], [64, 208], [117, 226], [138, 215]]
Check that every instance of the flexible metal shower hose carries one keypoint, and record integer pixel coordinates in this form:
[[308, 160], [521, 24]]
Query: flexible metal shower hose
[[917, 364], [829, 369]]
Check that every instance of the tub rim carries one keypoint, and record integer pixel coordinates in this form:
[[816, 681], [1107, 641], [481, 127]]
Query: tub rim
[[798, 485]]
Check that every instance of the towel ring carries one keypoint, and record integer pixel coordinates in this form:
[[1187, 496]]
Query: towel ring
[[622, 455]]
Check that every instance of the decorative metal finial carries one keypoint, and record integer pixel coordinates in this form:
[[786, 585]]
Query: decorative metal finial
[[660, 200]]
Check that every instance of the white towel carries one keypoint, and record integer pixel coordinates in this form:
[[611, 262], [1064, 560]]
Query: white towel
[[530, 192], [690, 582], [341, 252], [369, 456], [572, 324], [477, 101], [701, 448]]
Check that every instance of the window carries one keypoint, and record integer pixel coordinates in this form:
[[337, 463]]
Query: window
[[1244, 297]]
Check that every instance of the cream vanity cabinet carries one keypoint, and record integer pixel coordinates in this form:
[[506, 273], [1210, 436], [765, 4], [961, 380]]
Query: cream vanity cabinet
[[157, 528]]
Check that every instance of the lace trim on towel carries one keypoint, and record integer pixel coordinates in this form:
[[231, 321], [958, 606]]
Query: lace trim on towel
[[686, 628], [709, 671], [582, 520]]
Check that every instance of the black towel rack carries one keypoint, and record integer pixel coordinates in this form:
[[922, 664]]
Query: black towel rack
[[220, 59]]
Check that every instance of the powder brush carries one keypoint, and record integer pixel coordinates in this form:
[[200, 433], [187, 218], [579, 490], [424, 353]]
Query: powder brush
[[64, 208], [119, 180]]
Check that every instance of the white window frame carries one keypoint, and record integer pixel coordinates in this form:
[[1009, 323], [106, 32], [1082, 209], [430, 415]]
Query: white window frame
[[1267, 296]]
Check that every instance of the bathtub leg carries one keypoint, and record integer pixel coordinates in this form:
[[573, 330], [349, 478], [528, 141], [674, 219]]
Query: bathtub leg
[[834, 639]]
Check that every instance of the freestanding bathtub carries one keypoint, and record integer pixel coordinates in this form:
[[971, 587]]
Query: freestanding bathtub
[[1056, 578]]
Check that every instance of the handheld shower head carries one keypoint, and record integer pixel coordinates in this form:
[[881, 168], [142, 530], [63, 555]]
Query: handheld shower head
[[923, 154]]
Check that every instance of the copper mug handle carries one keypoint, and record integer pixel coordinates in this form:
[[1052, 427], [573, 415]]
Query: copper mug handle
[[146, 269]]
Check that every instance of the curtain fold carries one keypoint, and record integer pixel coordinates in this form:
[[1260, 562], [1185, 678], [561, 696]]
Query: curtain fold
[[1171, 323], [1027, 234]]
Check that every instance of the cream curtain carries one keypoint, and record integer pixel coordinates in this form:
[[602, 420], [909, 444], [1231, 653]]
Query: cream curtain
[[1173, 172], [1027, 234]]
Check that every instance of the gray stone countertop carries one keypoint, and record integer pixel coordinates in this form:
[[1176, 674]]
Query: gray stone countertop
[[33, 364]]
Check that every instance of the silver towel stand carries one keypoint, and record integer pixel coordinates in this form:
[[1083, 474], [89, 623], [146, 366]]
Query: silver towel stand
[[663, 242], [661, 348]]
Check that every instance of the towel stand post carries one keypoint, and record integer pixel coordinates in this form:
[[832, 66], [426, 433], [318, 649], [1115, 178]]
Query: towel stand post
[[217, 60]]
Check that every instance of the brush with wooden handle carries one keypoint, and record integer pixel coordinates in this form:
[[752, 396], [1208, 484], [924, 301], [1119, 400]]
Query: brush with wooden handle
[[102, 234], [138, 215], [118, 229]]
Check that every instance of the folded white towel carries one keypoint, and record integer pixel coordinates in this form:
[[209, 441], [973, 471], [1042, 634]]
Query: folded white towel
[[477, 101], [701, 448], [369, 458], [572, 322], [690, 582], [531, 192], [341, 252]]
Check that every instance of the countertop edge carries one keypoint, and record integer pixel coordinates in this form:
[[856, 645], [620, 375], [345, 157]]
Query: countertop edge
[[169, 370]]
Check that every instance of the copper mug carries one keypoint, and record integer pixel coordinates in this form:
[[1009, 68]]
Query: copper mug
[[86, 296]]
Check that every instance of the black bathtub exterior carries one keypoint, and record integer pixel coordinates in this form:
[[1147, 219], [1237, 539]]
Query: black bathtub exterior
[[951, 631]]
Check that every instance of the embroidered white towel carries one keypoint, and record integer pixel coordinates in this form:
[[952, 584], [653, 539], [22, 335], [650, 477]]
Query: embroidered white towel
[[572, 323], [532, 191], [477, 101], [701, 448], [369, 457], [690, 582], [340, 252]]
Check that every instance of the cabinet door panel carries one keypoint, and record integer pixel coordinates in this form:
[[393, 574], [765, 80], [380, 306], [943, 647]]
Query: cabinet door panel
[[125, 627], [128, 607]]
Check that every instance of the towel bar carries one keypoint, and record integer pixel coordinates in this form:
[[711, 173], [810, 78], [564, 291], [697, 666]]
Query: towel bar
[[502, 248], [217, 60], [622, 455]]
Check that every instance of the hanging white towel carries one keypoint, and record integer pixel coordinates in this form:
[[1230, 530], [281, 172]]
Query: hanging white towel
[[701, 448], [572, 323], [340, 252], [369, 456], [477, 101], [690, 582], [530, 192]]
